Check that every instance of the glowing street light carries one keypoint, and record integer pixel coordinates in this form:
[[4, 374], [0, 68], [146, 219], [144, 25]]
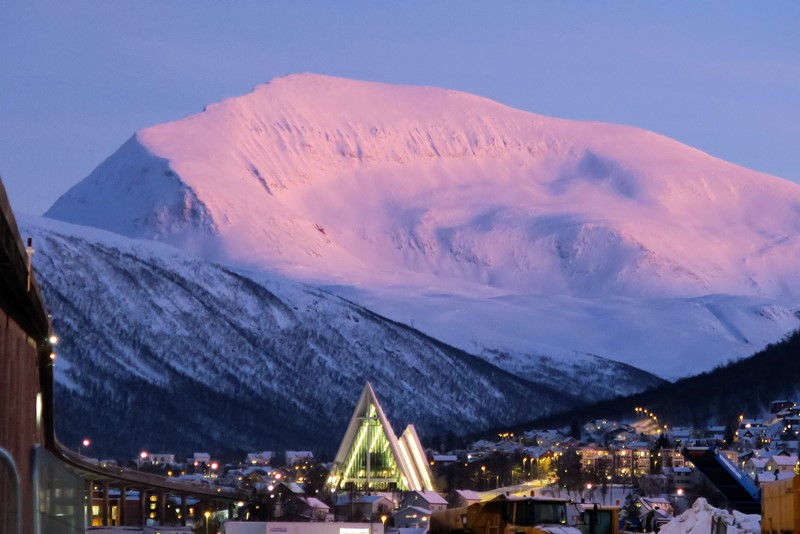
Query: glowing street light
[[207, 514], [142, 457], [85, 443]]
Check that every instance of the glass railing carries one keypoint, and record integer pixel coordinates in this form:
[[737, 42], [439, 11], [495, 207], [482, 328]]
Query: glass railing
[[60, 496], [10, 496]]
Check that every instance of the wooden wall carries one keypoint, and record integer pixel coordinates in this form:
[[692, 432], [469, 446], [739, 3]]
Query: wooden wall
[[20, 428]]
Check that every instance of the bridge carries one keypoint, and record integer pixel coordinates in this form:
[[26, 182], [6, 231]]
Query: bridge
[[44, 487]]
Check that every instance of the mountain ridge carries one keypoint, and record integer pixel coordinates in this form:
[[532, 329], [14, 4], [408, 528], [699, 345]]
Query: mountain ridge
[[385, 192], [239, 362], [236, 163]]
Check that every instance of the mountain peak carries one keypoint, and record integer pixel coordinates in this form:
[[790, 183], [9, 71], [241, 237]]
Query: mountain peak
[[343, 181]]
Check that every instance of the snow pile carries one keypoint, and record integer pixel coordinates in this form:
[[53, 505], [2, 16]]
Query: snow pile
[[698, 520]]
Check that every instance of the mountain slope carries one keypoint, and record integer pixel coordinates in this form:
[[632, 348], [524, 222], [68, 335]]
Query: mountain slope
[[423, 203], [745, 386], [373, 184], [164, 351]]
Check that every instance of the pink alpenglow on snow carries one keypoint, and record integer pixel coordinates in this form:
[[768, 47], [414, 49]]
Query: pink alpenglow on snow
[[334, 177], [415, 192]]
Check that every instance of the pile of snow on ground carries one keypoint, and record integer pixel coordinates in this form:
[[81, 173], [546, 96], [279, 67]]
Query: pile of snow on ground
[[698, 520]]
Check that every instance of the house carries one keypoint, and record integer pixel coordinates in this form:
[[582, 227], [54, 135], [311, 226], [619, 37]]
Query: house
[[656, 503], [411, 516], [429, 500], [733, 456], [306, 508], [259, 458], [681, 435], [199, 459], [683, 478], [461, 498], [164, 459], [781, 463], [369, 507], [298, 457], [755, 467], [714, 434], [594, 458], [777, 406]]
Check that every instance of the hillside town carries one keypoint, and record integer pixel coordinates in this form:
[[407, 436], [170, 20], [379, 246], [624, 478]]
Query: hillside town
[[637, 468]]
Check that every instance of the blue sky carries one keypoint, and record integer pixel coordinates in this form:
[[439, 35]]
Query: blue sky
[[80, 77]]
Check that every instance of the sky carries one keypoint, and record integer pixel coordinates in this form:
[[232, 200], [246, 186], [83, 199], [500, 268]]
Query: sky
[[79, 78]]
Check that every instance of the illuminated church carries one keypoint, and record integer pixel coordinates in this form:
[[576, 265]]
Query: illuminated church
[[372, 458]]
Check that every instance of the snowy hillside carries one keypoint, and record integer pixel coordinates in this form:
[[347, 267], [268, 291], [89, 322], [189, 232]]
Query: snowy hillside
[[162, 350], [397, 196]]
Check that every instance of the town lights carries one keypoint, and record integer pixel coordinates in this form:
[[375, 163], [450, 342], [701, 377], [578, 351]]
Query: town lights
[[53, 339]]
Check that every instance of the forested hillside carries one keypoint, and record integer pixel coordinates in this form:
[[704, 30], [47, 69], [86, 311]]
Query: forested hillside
[[745, 386]]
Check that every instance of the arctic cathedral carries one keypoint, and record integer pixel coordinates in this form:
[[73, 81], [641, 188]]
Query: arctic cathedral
[[372, 458]]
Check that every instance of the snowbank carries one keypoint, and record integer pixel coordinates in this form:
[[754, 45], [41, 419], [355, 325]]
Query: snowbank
[[698, 520]]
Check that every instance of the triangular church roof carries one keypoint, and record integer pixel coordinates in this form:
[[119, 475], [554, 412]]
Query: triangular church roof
[[407, 451]]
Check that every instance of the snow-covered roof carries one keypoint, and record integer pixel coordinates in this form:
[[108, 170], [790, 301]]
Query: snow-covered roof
[[295, 488], [370, 498], [772, 476], [418, 509], [431, 497], [784, 460], [315, 503], [469, 495], [299, 454]]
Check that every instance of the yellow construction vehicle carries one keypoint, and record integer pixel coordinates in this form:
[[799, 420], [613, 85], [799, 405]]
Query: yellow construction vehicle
[[526, 515]]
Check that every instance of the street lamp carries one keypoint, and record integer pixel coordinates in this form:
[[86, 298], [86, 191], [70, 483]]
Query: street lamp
[[207, 514], [85, 443], [142, 457]]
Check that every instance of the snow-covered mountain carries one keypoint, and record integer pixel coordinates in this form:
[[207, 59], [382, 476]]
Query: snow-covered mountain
[[500, 231], [163, 351]]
